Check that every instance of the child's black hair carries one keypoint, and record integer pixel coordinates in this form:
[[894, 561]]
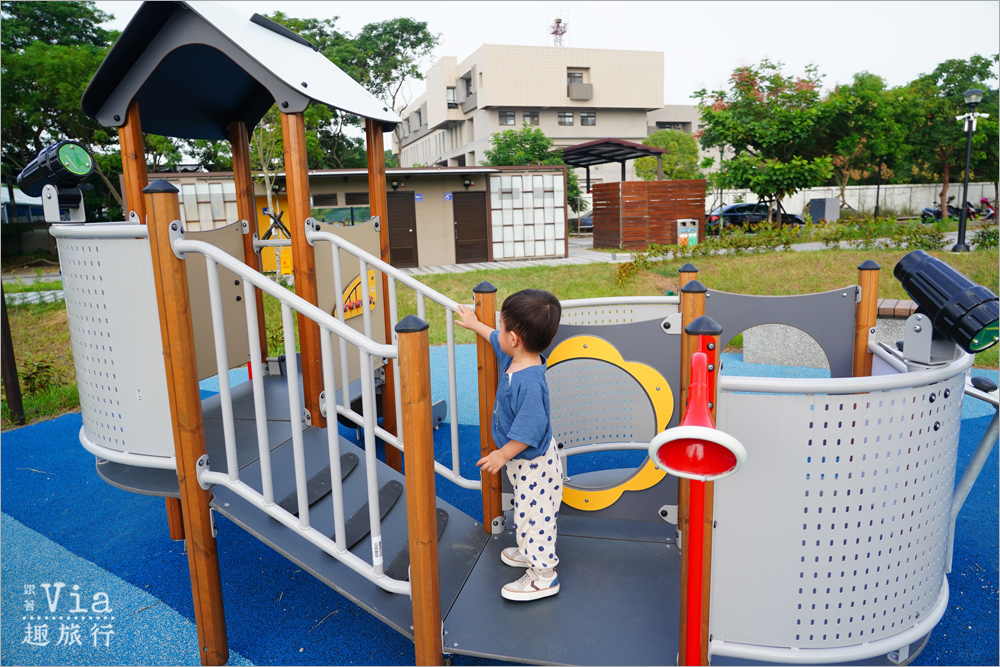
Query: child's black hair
[[533, 314]]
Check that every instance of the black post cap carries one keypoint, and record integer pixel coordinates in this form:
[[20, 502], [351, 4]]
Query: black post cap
[[484, 287], [693, 286], [869, 265], [411, 324], [688, 268], [703, 326], [160, 185]]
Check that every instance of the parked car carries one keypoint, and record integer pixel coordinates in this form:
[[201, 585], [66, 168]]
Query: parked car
[[586, 222], [746, 216]]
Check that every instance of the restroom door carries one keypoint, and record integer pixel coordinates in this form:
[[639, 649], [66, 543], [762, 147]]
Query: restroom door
[[402, 212], [471, 227]]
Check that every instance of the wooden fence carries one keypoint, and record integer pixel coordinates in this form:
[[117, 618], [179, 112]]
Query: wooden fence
[[633, 214]]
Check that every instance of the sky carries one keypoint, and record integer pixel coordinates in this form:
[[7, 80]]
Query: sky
[[701, 42]]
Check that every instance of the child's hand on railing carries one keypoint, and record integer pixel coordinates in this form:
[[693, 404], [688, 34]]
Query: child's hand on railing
[[466, 317]]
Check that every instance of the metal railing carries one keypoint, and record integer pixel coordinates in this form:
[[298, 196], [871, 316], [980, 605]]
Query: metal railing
[[423, 293], [264, 499]]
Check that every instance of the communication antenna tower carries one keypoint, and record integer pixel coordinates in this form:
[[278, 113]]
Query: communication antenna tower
[[558, 29]]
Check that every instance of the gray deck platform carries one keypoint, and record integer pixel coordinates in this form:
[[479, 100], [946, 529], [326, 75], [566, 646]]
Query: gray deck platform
[[617, 604]]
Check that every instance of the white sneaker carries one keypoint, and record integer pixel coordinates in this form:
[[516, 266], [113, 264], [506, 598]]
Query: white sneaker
[[512, 556], [531, 586]]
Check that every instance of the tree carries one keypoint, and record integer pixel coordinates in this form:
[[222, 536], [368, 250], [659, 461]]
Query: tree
[[865, 131], [936, 135], [770, 121], [530, 146], [680, 163], [392, 54], [50, 51]]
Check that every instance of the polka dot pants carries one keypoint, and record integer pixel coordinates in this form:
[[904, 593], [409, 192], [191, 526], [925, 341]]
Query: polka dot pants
[[537, 494]]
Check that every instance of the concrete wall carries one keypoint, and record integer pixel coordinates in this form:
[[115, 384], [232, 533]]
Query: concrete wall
[[908, 199]]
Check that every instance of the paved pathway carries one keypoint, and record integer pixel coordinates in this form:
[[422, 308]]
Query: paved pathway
[[580, 252]]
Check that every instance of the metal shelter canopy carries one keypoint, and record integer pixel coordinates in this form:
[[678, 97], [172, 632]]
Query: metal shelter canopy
[[195, 67], [603, 151]]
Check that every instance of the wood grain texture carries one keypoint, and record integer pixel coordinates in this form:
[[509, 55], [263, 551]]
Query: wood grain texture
[[378, 202], [134, 169], [421, 505], [293, 133], [486, 308], [246, 209], [177, 334]]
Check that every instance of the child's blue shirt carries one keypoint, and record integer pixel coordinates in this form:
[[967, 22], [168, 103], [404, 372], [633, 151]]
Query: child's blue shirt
[[521, 411]]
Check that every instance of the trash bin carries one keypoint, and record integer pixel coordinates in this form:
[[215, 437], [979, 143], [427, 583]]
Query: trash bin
[[687, 232]]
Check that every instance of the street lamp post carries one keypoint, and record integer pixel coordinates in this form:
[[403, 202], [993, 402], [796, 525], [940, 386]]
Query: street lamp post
[[972, 99]]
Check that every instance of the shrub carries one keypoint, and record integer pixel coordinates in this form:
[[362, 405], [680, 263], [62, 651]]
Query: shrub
[[987, 236]]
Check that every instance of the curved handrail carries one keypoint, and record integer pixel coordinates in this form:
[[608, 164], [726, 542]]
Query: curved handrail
[[859, 385], [294, 301], [100, 230], [313, 233], [622, 301]]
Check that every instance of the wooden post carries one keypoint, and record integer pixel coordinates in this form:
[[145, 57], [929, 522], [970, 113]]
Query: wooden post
[[688, 272], [133, 163], [246, 209], [379, 204], [175, 519], [11, 383], [486, 312], [293, 132], [865, 317], [692, 307], [177, 335], [421, 501]]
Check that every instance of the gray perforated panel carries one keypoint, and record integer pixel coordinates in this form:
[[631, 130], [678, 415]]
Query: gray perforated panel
[[593, 401], [834, 532], [602, 315], [115, 333]]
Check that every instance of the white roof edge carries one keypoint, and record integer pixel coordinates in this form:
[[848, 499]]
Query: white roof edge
[[297, 65]]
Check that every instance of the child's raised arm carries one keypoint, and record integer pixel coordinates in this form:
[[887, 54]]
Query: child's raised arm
[[467, 320]]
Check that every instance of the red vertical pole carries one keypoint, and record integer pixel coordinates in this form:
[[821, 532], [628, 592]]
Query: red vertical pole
[[695, 545]]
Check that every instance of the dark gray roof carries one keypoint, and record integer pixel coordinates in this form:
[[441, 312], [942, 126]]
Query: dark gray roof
[[195, 67], [602, 151]]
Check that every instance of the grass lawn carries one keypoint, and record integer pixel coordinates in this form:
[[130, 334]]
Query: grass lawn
[[42, 346]]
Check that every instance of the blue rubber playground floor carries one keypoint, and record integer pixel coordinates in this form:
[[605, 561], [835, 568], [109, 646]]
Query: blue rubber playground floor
[[91, 577]]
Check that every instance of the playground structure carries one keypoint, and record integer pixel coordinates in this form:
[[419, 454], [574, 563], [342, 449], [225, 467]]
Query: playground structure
[[847, 499]]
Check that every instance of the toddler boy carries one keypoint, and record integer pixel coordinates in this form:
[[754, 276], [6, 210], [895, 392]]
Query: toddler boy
[[522, 431]]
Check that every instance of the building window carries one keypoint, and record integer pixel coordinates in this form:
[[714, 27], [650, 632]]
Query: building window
[[587, 118], [452, 99], [508, 118], [565, 117], [574, 77], [325, 200], [416, 119], [530, 118]]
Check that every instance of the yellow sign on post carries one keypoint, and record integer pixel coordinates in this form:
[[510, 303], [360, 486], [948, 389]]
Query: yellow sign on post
[[286, 261]]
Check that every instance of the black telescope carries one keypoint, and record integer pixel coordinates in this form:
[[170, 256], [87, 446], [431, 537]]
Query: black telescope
[[962, 312], [63, 164]]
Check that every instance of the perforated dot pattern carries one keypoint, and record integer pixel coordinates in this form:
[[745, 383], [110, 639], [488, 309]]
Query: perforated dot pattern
[[604, 315], [117, 351], [851, 499], [592, 401]]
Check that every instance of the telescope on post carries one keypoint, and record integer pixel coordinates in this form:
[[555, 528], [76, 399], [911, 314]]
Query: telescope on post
[[54, 175], [951, 309]]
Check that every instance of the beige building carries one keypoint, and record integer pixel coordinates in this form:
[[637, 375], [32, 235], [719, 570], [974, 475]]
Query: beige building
[[572, 95], [436, 216]]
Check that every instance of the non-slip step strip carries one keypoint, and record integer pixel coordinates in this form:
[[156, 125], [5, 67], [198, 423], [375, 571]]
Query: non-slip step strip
[[319, 485]]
